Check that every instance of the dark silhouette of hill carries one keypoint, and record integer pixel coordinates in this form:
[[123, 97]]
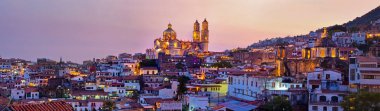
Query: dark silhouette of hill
[[366, 19]]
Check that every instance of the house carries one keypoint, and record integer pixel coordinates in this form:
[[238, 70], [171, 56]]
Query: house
[[32, 93], [364, 74], [196, 102], [85, 105], [17, 93], [326, 90], [247, 87]]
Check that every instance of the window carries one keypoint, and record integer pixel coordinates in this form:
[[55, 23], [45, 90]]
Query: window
[[273, 84], [325, 108], [352, 74], [334, 108], [327, 76], [322, 98], [319, 76], [368, 65], [368, 76], [334, 99], [315, 108]]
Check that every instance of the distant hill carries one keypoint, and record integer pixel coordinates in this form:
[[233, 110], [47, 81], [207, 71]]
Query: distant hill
[[351, 26], [366, 19]]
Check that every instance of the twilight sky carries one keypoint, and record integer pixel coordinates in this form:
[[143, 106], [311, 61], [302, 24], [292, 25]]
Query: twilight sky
[[84, 29]]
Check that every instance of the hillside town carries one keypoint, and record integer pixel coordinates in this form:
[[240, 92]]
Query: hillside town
[[318, 71]]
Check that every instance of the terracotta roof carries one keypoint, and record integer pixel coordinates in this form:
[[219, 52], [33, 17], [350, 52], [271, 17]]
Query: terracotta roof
[[152, 101], [218, 107], [48, 106], [3, 102]]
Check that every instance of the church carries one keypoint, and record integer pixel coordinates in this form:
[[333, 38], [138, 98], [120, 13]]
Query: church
[[170, 45]]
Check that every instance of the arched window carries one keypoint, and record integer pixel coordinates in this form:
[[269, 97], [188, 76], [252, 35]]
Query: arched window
[[322, 98], [334, 99]]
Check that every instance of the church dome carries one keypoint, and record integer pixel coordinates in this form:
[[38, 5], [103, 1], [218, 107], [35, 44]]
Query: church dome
[[169, 34]]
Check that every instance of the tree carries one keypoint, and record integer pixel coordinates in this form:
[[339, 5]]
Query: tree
[[278, 103], [148, 63], [180, 66], [182, 86], [135, 95], [141, 82], [222, 64], [362, 101], [108, 105]]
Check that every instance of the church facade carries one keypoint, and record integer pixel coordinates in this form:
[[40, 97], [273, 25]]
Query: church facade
[[170, 45]]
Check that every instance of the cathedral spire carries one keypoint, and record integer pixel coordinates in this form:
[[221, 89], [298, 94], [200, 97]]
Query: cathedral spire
[[196, 32], [169, 25]]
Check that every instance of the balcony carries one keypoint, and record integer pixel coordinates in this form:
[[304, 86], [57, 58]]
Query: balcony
[[329, 103]]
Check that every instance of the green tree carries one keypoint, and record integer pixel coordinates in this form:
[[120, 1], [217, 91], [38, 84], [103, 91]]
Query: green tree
[[278, 103], [362, 101], [182, 86], [135, 95], [222, 64], [108, 105]]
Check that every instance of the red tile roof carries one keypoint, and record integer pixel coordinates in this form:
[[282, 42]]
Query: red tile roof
[[48, 106]]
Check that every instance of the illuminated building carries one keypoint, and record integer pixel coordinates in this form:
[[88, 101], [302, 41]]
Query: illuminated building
[[324, 47], [170, 45]]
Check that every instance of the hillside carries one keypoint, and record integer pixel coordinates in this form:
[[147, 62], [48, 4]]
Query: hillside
[[366, 19], [362, 21]]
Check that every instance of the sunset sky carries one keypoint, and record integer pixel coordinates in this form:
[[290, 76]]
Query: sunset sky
[[78, 30]]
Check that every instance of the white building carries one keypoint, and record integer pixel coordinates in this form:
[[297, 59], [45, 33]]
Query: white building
[[197, 102], [90, 86], [326, 90], [85, 105], [364, 74], [17, 94], [358, 38], [32, 93], [247, 87], [170, 106], [342, 39]]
